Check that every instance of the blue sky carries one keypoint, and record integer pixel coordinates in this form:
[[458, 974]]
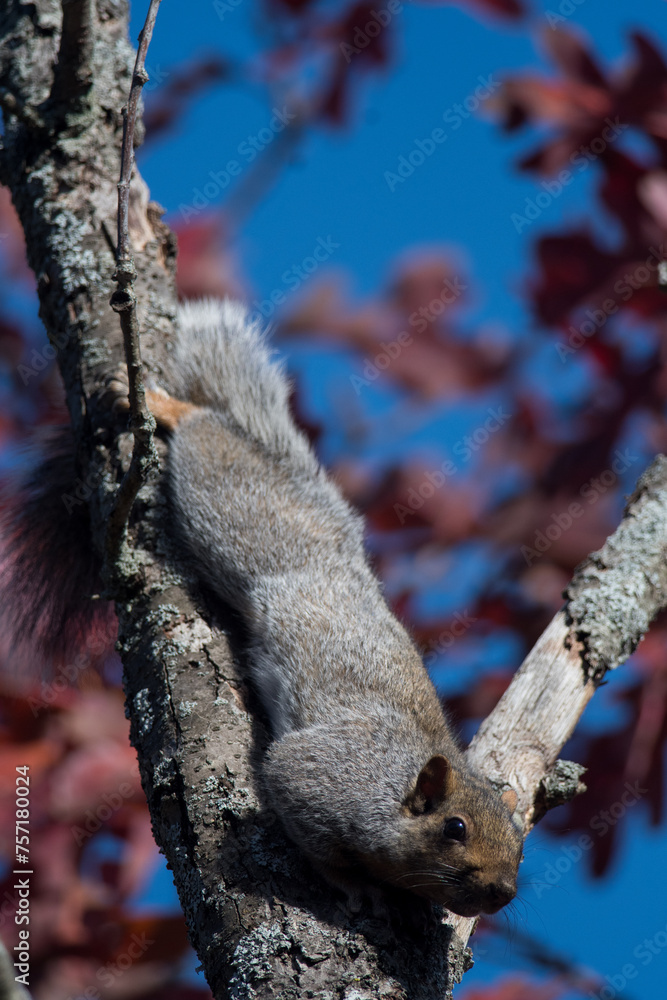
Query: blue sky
[[462, 196]]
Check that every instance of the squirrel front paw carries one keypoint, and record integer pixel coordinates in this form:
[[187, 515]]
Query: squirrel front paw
[[362, 897], [357, 891], [115, 392]]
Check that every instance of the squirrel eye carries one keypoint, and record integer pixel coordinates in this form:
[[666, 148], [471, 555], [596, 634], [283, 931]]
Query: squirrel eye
[[455, 828]]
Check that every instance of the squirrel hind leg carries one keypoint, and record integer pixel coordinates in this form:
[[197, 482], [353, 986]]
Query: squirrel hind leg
[[168, 412]]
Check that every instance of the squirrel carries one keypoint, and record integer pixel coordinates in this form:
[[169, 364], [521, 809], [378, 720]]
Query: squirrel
[[363, 768]]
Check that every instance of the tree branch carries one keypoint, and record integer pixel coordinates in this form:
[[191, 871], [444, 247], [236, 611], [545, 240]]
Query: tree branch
[[617, 592], [262, 922], [612, 599], [124, 302]]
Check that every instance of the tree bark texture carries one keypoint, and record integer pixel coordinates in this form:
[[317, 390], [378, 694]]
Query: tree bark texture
[[262, 922]]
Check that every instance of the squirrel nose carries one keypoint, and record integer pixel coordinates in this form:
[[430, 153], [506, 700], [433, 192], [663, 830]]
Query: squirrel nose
[[501, 893]]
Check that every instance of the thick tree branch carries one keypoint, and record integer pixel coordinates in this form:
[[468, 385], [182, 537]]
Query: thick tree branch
[[617, 592], [263, 924]]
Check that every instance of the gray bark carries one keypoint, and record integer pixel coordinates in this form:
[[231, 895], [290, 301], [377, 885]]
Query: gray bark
[[263, 924]]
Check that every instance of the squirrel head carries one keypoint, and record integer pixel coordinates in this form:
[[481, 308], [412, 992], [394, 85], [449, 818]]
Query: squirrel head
[[458, 844]]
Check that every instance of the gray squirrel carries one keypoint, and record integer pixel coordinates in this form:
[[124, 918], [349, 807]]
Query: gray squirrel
[[363, 768]]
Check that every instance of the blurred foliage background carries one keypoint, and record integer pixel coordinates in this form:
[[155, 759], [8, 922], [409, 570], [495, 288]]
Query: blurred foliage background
[[489, 435]]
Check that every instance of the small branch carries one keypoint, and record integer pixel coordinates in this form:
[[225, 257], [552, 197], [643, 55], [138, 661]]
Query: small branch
[[123, 301], [557, 787], [139, 78], [73, 72], [142, 424]]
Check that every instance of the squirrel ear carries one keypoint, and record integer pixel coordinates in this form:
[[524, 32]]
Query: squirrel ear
[[435, 782], [510, 798]]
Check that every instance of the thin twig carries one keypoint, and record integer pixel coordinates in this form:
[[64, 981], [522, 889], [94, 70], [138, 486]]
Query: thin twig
[[139, 78], [123, 301]]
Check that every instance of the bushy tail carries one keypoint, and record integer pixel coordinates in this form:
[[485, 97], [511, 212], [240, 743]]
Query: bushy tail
[[48, 570], [221, 360]]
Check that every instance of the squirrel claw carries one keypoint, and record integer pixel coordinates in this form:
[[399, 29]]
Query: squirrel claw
[[354, 901], [116, 390], [378, 903]]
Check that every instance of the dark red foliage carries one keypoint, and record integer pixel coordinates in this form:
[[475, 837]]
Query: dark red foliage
[[204, 265], [513, 9], [583, 100], [504, 8], [84, 786]]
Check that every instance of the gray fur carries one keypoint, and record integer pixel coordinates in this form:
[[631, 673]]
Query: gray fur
[[353, 712]]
